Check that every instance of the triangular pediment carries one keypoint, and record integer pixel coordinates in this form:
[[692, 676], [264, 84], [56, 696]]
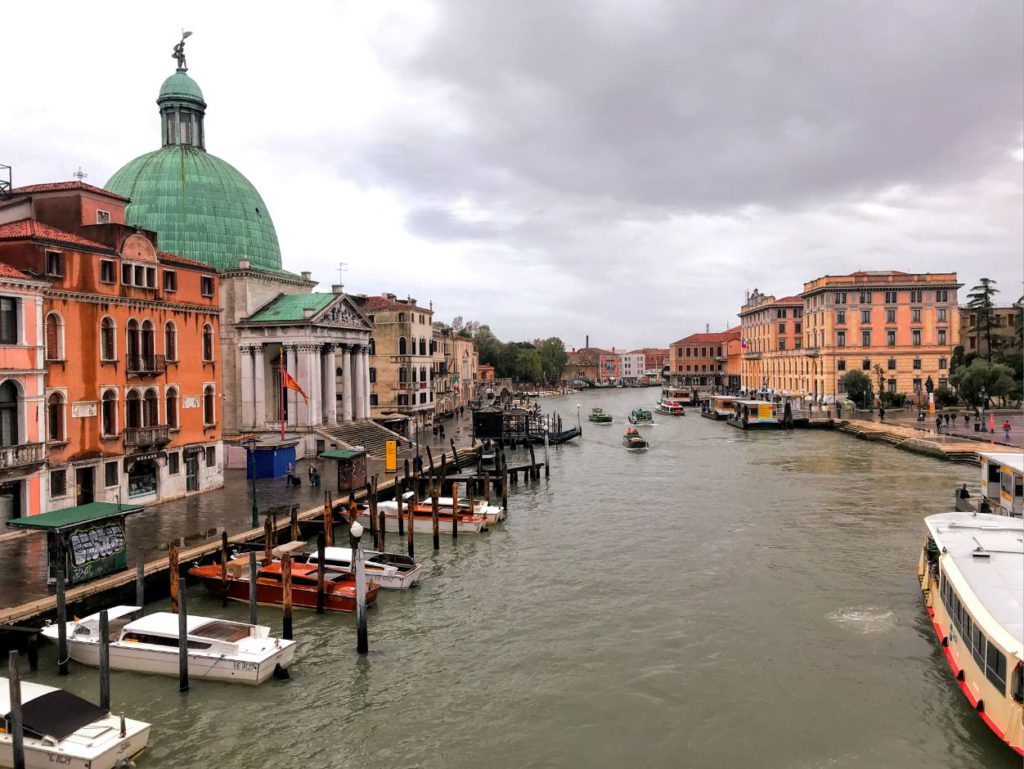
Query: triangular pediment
[[342, 313]]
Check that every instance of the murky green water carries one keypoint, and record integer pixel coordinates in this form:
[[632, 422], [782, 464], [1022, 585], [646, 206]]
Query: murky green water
[[727, 599]]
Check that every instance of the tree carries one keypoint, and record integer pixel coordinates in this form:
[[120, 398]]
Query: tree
[[553, 358], [944, 397], [993, 379], [980, 300], [958, 358], [857, 385]]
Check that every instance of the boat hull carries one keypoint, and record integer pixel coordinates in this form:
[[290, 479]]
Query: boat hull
[[425, 524], [271, 594], [753, 425], [104, 756]]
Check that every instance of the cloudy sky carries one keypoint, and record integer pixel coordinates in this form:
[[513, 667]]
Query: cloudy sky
[[619, 169]]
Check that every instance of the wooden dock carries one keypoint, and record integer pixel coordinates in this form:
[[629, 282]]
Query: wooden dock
[[918, 441]]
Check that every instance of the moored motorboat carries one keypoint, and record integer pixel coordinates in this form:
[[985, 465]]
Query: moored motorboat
[[217, 649], [392, 571], [62, 729], [339, 588], [718, 407], [633, 441], [971, 572], [468, 523], [494, 514], [641, 417], [754, 415], [598, 416]]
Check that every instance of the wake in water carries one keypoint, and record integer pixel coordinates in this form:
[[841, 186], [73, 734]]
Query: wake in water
[[864, 619]]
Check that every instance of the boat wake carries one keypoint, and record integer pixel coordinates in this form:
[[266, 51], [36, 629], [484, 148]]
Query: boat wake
[[864, 619]]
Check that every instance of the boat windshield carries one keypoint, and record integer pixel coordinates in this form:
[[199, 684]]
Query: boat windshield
[[222, 631]]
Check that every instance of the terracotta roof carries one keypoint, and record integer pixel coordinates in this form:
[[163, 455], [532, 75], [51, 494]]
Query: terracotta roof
[[386, 302], [175, 259], [30, 229], [719, 336], [789, 300], [30, 189], [647, 350], [877, 273], [6, 271]]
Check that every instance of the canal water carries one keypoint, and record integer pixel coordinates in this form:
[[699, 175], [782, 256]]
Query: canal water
[[726, 599]]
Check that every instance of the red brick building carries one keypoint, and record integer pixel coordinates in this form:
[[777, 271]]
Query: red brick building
[[707, 360]]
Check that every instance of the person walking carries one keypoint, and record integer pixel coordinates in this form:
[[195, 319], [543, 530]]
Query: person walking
[[938, 424], [947, 420], [1006, 430], [967, 420], [881, 414]]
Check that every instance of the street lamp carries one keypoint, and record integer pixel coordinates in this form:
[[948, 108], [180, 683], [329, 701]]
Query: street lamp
[[984, 403], [579, 424], [250, 445], [362, 642]]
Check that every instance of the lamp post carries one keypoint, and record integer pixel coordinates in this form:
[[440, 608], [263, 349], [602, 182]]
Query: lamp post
[[250, 445], [984, 403], [579, 424], [362, 643]]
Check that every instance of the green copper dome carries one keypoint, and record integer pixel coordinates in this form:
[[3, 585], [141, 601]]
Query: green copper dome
[[199, 206]]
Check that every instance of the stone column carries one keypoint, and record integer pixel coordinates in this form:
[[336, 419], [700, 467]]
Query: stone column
[[247, 396], [346, 383], [358, 391], [259, 388], [330, 382], [291, 366], [314, 374], [366, 383]]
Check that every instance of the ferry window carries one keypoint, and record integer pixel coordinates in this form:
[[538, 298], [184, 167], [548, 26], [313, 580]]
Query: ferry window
[[977, 642], [995, 668], [993, 473]]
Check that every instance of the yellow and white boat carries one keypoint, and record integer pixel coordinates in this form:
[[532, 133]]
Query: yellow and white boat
[[1002, 485], [972, 576]]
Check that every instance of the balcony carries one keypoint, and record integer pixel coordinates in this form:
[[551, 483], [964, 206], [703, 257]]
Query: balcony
[[144, 437], [812, 352], [145, 365], [751, 356], [24, 455]]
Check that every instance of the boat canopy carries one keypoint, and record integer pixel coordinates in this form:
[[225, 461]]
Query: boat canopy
[[56, 714]]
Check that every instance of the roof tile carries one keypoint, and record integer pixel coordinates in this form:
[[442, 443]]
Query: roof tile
[[29, 229]]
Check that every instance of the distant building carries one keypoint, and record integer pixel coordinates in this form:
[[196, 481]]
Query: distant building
[[656, 359], [1004, 326], [466, 363], [632, 366], [486, 372], [772, 339], [707, 360], [593, 364]]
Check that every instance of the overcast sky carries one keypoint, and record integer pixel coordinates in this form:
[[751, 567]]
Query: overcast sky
[[619, 169]]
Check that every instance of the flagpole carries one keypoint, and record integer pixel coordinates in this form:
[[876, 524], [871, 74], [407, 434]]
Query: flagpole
[[283, 391]]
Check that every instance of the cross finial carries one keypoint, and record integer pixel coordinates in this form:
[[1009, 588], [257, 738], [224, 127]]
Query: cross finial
[[80, 174]]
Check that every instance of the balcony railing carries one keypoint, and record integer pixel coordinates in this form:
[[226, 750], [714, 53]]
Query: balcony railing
[[20, 456], [145, 365], [752, 356], [140, 437]]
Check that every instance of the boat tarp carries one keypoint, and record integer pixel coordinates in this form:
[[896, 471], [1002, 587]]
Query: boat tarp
[[70, 517], [58, 714]]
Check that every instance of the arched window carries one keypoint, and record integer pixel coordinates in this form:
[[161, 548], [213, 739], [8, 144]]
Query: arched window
[[373, 375], [171, 407], [423, 346], [109, 413], [413, 369], [9, 417], [151, 409], [423, 373], [403, 374], [148, 345], [209, 414], [55, 417], [207, 342], [401, 345], [373, 346], [54, 337], [170, 341], [134, 345], [108, 339], [133, 409], [338, 372]]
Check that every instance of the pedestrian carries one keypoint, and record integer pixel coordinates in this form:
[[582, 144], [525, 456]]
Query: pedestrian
[[938, 424], [881, 414], [947, 420], [310, 472], [442, 431], [1006, 430], [316, 477], [967, 420]]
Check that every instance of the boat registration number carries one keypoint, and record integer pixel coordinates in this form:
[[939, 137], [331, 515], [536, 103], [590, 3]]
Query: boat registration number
[[249, 667]]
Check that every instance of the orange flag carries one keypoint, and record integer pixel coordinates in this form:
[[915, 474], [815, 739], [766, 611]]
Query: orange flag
[[291, 384]]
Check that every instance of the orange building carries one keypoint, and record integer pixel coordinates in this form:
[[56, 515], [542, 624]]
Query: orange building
[[130, 340], [772, 340], [707, 360], [22, 452]]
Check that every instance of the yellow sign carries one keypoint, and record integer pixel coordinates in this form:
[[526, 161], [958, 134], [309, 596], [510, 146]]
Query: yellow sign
[[391, 457]]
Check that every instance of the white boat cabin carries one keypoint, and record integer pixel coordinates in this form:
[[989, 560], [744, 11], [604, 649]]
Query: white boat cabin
[[1002, 481], [753, 412]]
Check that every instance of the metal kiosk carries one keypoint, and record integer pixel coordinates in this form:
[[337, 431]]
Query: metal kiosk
[[351, 467], [89, 539]]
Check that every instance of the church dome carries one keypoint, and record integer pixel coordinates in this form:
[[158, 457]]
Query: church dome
[[200, 206]]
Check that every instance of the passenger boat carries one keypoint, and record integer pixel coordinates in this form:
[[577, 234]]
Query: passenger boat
[[339, 588], [754, 415], [597, 415], [633, 441], [62, 729], [217, 649], [1002, 485], [468, 523], [675, 408], [718, 407], [683, 395], [641, 417], [392, 571], [971, 572]]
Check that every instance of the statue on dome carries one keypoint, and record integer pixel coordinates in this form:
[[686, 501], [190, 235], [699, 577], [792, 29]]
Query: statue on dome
[[179, 52]]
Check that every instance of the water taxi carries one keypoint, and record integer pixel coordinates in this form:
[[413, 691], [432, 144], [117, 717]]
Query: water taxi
[[494, 514], [641, 417], [633, 441], [675, 408], [392, 571], [62, 729], [339, 588], [468, 523], [217, 649], [754, 415], [719, 407], [683, 395], [1002, 485], [597, 415], [971, 572]]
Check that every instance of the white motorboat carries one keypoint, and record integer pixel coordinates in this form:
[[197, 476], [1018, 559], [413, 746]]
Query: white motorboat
[[393, 571], [493, 513], [218, 649], [468, 523], [62, 729]]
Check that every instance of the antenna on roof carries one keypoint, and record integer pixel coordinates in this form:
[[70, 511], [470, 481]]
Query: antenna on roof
[[80, 174], [342, 266]]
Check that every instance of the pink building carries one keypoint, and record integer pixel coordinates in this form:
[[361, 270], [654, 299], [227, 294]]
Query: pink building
[[22, 373]]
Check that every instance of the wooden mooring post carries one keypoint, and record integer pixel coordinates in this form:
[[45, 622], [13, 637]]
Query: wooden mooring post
[[371, 508], [399, 493], [140, 582], [62, 611], [104, 660], [328, 519], [504, 482], [252, 587], [182, 637], [381, 527], [455, 455], [321, 547], [455, 511], [358, 568], [268, 540], [412, 517], [172, 574], [224, 568], [286, 596], [487, 486], [296, 535], [434, 522], [17, 726]]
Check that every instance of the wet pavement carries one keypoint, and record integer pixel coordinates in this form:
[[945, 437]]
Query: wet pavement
[[958, 429]]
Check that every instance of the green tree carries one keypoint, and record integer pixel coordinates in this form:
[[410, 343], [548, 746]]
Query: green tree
[[994, 379], [553, 358], [980, 299], [944, 397], [488, 346], [857, 385]]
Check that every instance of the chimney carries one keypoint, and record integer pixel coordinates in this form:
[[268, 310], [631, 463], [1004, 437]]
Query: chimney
[[243, 264], [588, 342], [308, 312], [307, 276], [707, 328], [336, 288]]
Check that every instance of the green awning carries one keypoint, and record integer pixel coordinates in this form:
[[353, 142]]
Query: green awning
[[341, 453], [73, 516]]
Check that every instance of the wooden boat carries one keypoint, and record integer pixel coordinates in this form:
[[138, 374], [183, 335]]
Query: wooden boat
[[971, 570], [1002, 485], [62, 729], [392, 571], [633, 441], [468, 523], [494, 514], [754, 415], [641, 417], [556, 437], [718, 407], [217, 649], [675, 408], [598, 416], [339, 588]]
